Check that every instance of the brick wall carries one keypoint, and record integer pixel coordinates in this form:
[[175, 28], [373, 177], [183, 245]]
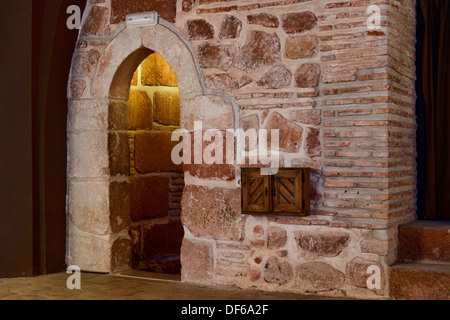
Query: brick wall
[[156, 183], [342, 96]]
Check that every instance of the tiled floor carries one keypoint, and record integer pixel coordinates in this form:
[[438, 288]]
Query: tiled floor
[[126, 287]]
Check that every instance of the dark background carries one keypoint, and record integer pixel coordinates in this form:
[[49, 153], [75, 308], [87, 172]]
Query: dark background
[[35, 56]]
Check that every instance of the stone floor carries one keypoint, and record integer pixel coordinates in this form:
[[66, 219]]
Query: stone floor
[[136, 286]]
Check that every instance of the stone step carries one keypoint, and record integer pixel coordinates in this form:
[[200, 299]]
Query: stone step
[[420, 281], [426, 241]]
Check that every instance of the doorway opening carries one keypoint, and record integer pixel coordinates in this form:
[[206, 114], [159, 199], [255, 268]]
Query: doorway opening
[[156, 183]]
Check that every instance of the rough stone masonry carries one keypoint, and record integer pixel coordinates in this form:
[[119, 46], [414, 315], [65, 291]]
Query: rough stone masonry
[[341, 95]]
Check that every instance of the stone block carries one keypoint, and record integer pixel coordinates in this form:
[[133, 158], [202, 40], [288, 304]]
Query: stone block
[[419, 281], [87, 115], [357, 274], [277, 78], [261, 50], [278, 272], [119, 153], [140, 111], [298, 22], [92, 253], [149, 197], [212, 111], [77, 88], [154, 152], [318, 276], [425, 240], [88, 155], [263, 19], [187, 5], [199, 29], [163, 239], [118, 115], [219, 170], [328, 245], [312, 143], [119, 206], [310, 117], [96, 21], [213, 212], [231, 28], [216, 56], [300, 47], [290, 133], [196, 260], [249, 122], [276, 237], [157, 72], [307, 75], [84, 64], [136, 244], [222, 82], [167, 107], [88, 206], [121, 255], [380, 247]]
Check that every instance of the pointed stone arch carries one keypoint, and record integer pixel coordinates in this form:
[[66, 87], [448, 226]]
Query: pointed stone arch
[[98, 164]]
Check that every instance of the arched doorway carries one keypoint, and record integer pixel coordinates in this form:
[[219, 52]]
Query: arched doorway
[[99, 192]]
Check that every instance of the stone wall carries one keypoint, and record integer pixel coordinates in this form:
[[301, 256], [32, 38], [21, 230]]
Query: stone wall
[[156, 184], [342, 96]]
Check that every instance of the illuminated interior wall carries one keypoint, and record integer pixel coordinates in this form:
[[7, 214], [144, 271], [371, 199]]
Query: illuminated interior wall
[[156, 183]]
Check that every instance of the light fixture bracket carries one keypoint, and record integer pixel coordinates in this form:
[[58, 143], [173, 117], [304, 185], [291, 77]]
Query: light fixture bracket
[[142, 19]]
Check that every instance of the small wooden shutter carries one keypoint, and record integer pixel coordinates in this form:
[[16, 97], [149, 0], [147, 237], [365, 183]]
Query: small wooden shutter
[[255, 192], [287, 191]]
